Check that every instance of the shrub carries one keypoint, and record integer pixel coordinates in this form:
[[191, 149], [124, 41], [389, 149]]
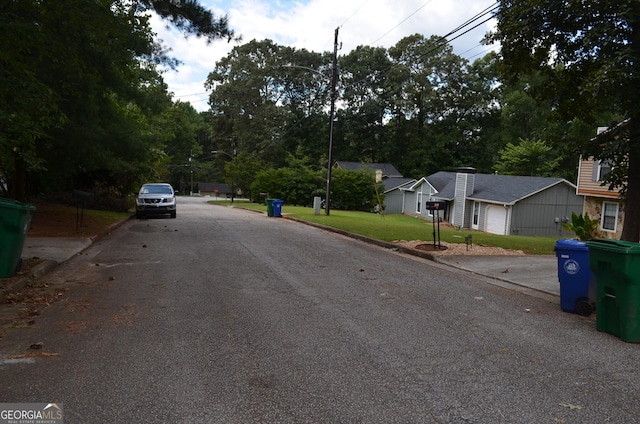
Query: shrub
[[583, 226]]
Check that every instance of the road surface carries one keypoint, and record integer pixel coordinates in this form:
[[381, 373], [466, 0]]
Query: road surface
[[229, 316]]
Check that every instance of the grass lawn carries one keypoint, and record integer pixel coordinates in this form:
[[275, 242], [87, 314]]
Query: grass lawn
[[396, 227]]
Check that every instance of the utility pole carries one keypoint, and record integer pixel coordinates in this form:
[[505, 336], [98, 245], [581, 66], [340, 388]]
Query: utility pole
[[191, 163], [334, 80]]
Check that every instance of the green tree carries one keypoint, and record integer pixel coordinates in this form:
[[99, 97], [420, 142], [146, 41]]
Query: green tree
[[296, 186], [589, 54], [438, 103], [78, 88], [355, 190], [263, 98], [528, 157], [367, 105], [242, 172]]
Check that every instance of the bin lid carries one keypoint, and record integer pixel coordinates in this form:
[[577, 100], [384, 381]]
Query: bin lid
[[570, 244], [14, 204], [620, 246]]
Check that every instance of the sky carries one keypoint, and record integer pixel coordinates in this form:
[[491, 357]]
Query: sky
[[311, 24]]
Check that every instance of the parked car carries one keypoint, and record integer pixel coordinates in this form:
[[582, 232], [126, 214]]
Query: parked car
[[156, 199]]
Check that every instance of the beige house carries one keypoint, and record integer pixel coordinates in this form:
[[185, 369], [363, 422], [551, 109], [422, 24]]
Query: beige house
[[600, 202]]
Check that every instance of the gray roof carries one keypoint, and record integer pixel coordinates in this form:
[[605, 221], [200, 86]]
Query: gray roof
[[387, 169], [395, 182], [506, 189]]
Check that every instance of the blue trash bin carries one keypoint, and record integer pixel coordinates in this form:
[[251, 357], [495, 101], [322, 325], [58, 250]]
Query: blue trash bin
[[277, 207], [577, 282]]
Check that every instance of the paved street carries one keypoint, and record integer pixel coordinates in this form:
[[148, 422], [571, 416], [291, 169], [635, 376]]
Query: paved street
[[228, 316]]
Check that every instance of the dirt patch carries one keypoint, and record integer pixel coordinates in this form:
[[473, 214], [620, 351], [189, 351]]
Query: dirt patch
[[457, 248], [52, 220]]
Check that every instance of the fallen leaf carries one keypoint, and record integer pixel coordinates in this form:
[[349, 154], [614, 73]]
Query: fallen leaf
[[570, 406]]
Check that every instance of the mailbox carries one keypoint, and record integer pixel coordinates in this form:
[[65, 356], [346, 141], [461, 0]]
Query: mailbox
[[436, 206]]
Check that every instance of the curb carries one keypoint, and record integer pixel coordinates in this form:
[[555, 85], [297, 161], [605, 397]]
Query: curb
[[49, 265], [415, 252]]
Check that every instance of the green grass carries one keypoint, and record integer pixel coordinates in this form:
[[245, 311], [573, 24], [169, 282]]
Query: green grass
[[397, 227]]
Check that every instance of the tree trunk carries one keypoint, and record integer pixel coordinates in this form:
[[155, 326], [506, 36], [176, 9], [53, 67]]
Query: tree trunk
[[20, 174], [631, 230]]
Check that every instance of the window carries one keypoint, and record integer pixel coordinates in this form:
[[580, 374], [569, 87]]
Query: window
[[419, 204], [609, 220], [605, 168], [476, 215], [600, 169]]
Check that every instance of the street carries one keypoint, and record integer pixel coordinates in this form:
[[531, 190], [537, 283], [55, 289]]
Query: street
[[228, 316]]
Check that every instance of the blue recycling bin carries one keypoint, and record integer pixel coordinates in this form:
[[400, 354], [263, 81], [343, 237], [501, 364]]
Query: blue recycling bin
[[277, 207], [577, 282]]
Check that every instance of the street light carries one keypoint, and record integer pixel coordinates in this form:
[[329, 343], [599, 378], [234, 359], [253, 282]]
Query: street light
[[334, 78], [216, 152]]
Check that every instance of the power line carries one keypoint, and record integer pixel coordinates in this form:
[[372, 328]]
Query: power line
[[401, 22], [354, 13]]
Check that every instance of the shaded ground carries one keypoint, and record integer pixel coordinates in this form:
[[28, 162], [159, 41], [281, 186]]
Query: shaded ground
[[20, 308], [51, 220]]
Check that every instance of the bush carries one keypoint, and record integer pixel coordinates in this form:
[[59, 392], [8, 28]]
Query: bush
[[350, 190], [355, 190], [296, 186], [583, 226]]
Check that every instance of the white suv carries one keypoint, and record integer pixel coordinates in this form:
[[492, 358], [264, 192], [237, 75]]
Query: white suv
[[156, 199]]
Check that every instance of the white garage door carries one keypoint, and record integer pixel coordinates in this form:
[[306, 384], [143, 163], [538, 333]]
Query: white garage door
[[496, 219]]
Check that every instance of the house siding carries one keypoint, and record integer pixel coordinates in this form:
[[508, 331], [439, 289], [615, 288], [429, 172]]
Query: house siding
[[537, 215], [586, 184], [394, 202], [594, 197], [410, 200]]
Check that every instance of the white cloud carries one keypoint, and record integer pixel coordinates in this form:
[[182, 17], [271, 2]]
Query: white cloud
[[310, 24]]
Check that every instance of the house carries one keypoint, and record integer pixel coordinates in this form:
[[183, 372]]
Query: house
[[498, 204], [215, 190], [394, 198], [600, 202]]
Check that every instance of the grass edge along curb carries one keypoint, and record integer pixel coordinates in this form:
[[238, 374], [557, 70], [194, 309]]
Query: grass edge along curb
[[421, 230]]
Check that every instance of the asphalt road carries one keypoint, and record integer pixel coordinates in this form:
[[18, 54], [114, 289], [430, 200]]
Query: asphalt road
[[228, 316]]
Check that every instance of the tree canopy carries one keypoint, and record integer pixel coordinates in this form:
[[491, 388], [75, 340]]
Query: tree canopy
[[588, 53], [80, 92], [83, 104]]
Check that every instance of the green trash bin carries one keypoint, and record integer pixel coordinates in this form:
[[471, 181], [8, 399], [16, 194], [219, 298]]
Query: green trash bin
[[15, 218], [269, 206], [616, 265]]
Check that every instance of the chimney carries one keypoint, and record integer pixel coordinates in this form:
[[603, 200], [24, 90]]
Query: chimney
[[378, 175], [465, 181]]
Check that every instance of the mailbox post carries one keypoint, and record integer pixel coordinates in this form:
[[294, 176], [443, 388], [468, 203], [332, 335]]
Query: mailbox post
[[435, 208], [81, 197]]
